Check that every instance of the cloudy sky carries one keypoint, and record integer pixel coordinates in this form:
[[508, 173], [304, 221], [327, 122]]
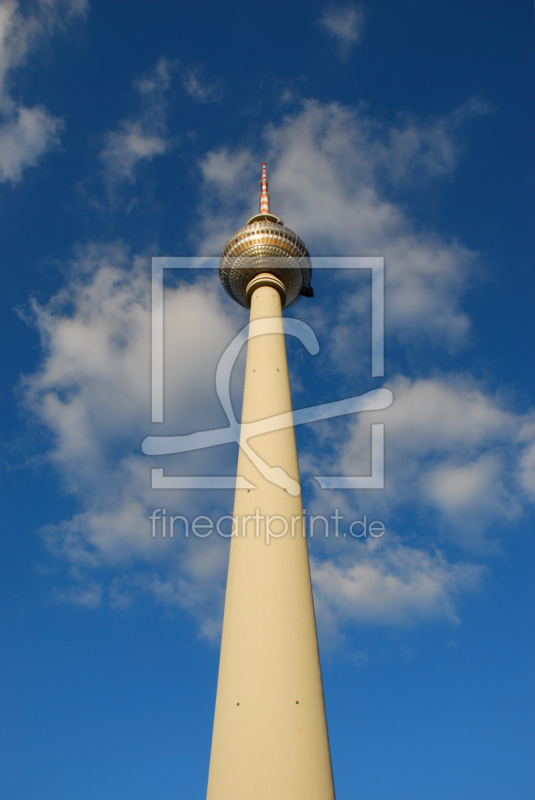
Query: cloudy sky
[[136, 130]]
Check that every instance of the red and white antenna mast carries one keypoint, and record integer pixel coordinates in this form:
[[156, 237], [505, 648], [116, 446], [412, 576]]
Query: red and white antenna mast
[[264, 196]]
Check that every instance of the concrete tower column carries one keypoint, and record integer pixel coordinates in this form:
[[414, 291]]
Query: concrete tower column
[[270, 734]]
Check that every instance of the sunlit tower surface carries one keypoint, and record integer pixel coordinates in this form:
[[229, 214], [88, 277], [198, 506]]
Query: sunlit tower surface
[[270, 733]]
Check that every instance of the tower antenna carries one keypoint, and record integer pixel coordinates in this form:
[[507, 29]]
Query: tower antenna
[[264, 196]]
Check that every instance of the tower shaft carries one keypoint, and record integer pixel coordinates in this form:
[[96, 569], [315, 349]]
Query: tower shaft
[[270, 734]]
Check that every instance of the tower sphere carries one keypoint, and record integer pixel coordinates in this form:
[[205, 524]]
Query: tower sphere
[[263, 245]]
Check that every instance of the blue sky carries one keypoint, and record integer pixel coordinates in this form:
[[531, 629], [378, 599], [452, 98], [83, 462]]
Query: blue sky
[[401, 130]]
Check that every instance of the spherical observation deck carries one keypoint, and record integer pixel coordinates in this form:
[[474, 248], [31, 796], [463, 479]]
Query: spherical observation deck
[[265, 244]]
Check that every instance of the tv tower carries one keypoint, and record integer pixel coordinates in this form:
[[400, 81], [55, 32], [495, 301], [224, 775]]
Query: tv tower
[[270, 737]]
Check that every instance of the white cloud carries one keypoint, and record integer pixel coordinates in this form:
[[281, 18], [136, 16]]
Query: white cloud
[[93, 389], [388, 583], [92, 395], [416, 151], [138, 140], [527, 471], [455, 488], [199, 87], [225, 170], [332, 170], [89, 596], [21, 33], [129, 144], [454, 456], [345, 24], [27, 133]]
